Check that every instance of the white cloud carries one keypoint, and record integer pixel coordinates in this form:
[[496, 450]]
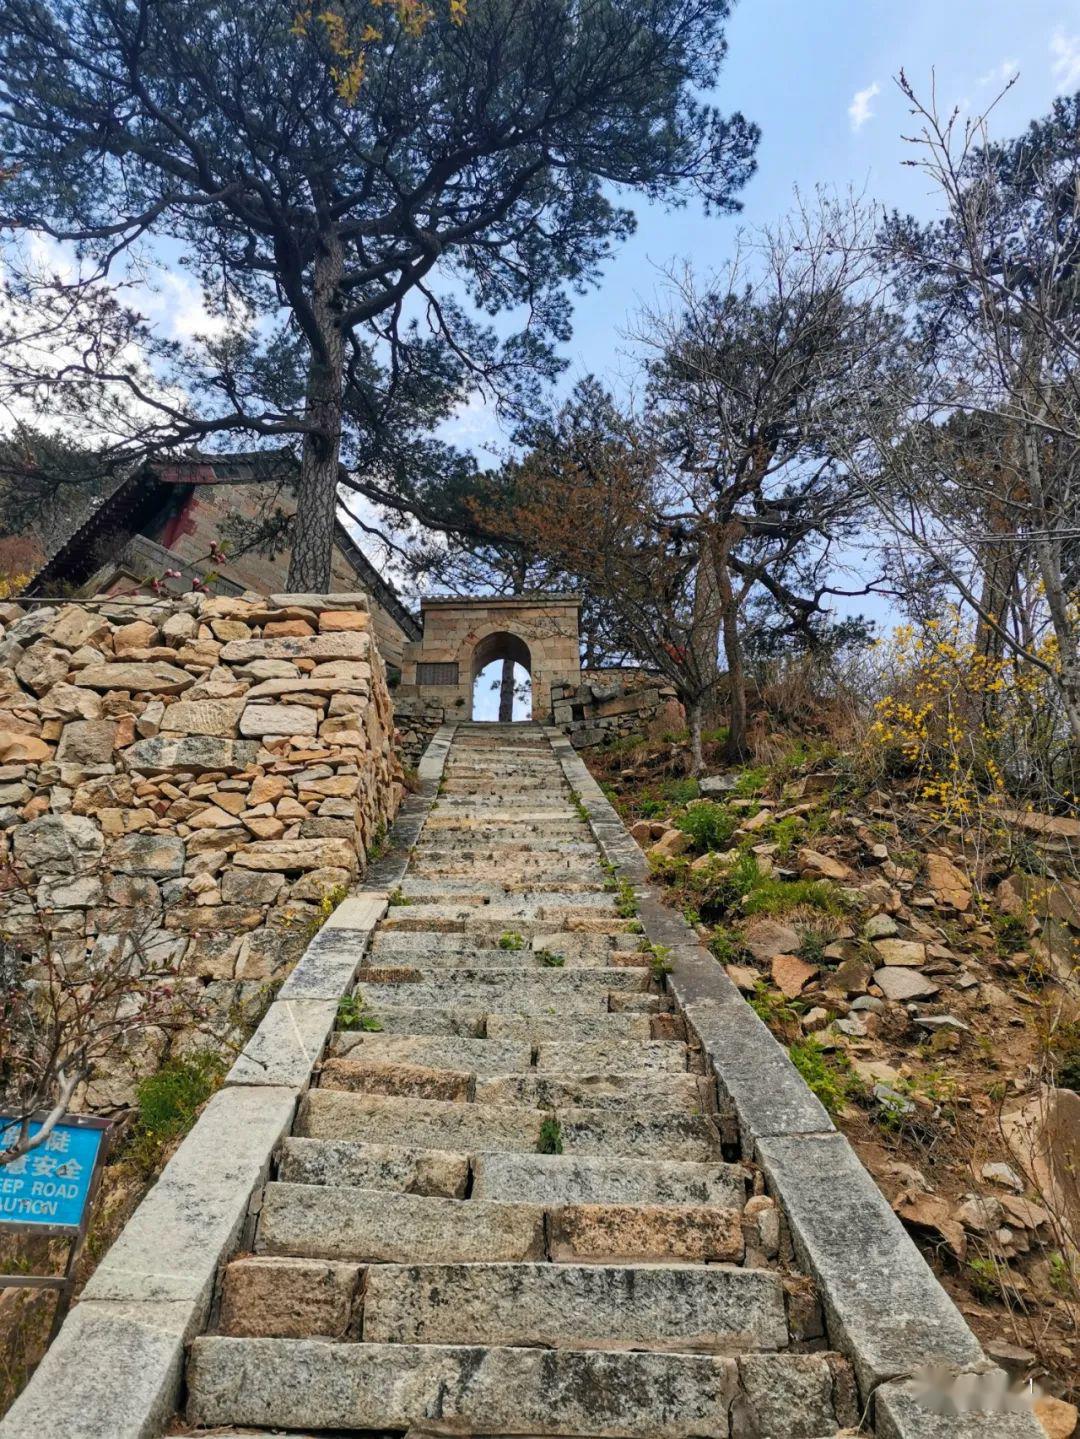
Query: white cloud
[[1065, 66], [859, 110], [999, 74]]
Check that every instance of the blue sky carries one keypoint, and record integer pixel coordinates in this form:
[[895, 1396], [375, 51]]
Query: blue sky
[[818, 78], [798, 68]]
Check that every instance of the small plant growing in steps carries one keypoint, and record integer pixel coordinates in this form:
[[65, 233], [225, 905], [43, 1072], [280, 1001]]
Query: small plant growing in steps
[[659, 962], [510, 939], [827, 1073], [626, 906], [550, 960], [352, 1014], [397, 899], [551, 1141]]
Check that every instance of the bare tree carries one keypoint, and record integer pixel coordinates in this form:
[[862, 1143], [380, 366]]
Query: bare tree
[[749, 401], [975, 457]]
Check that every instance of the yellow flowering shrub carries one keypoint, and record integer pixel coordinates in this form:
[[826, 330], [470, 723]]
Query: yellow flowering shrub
[[11, 585], [968, 724]]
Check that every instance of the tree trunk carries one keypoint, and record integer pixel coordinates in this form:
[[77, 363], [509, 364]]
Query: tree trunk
[[693, 720], [506, 693], [706, 629], [316, 501], [736, 749]]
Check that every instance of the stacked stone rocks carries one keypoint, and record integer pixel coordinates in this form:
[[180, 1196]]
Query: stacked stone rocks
[[201, 770], [505, 1209], [600, 709]]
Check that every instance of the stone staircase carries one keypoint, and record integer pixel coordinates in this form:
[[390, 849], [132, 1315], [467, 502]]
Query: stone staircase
[[506, 1211]]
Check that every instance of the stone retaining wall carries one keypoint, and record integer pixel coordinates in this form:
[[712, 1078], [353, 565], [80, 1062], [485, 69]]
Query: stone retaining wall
[[608, 706], [194, 775]]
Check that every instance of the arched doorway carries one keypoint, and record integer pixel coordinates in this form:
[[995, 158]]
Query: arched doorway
[[501, 678]]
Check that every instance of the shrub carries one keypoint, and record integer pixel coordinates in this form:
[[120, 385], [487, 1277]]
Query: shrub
[[778, 896], [709, 825], [169, 1101], [680, 791], [510, 939]]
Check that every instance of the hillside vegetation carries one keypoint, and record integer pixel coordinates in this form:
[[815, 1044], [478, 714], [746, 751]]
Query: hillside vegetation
[[909, 932]]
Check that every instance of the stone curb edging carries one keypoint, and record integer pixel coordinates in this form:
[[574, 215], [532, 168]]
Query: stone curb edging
[[116, 1367], [884, 1308]]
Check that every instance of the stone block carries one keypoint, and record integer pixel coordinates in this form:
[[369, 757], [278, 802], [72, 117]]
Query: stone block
[[341, 646], [891, 1316], [114, 1369], [584, 1306], [155, 678], [298, 1383], [170, 1248], [59, 844], [562, 1179], [651, 1233], [203, 717], [192, 753], [379, 1226], [257, 720], [157, 855], [901, 1411], [287, 1044], [288, 1298], [358, 1165], [297, 854]]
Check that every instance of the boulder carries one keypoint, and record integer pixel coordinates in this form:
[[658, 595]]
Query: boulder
[[135, 636], [904, 984], [75, 627], [791, 974], [948, 883], [765, 938], [813, 865], [42, 666], [71, 702], [22, 748], [155, 678], [910, 953], [673, 842]]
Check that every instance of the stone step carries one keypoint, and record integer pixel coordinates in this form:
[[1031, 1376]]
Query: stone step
[[389, 956], [355, 1164], [504, 909], [594, 1028], [308, 1384], [500, 848], [368, 1225], [510, 991], [480, 890], [615, 1056], [478, 1128], [398, 944], [381, 1225], [572, 1179], [481, 1056], [433, 1019], [642, 1092], [714, 1309]]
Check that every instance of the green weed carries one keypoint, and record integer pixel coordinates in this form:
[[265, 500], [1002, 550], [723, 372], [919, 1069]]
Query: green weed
[[352, 1014], [551, 1141], [778, 896], [752, 781], [550, 960], [397, 899], [710, 826], [510, 939], [169, 1101], [627, 905], [828, 1073]]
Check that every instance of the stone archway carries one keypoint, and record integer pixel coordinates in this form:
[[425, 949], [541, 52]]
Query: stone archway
[[439, 669], [499, 645]]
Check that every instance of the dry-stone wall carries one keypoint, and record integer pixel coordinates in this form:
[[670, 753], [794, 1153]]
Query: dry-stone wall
[[607, 706], [197, 772]]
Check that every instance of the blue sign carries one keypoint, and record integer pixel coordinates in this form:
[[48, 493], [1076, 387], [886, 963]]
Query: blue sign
[[50, 1184]]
